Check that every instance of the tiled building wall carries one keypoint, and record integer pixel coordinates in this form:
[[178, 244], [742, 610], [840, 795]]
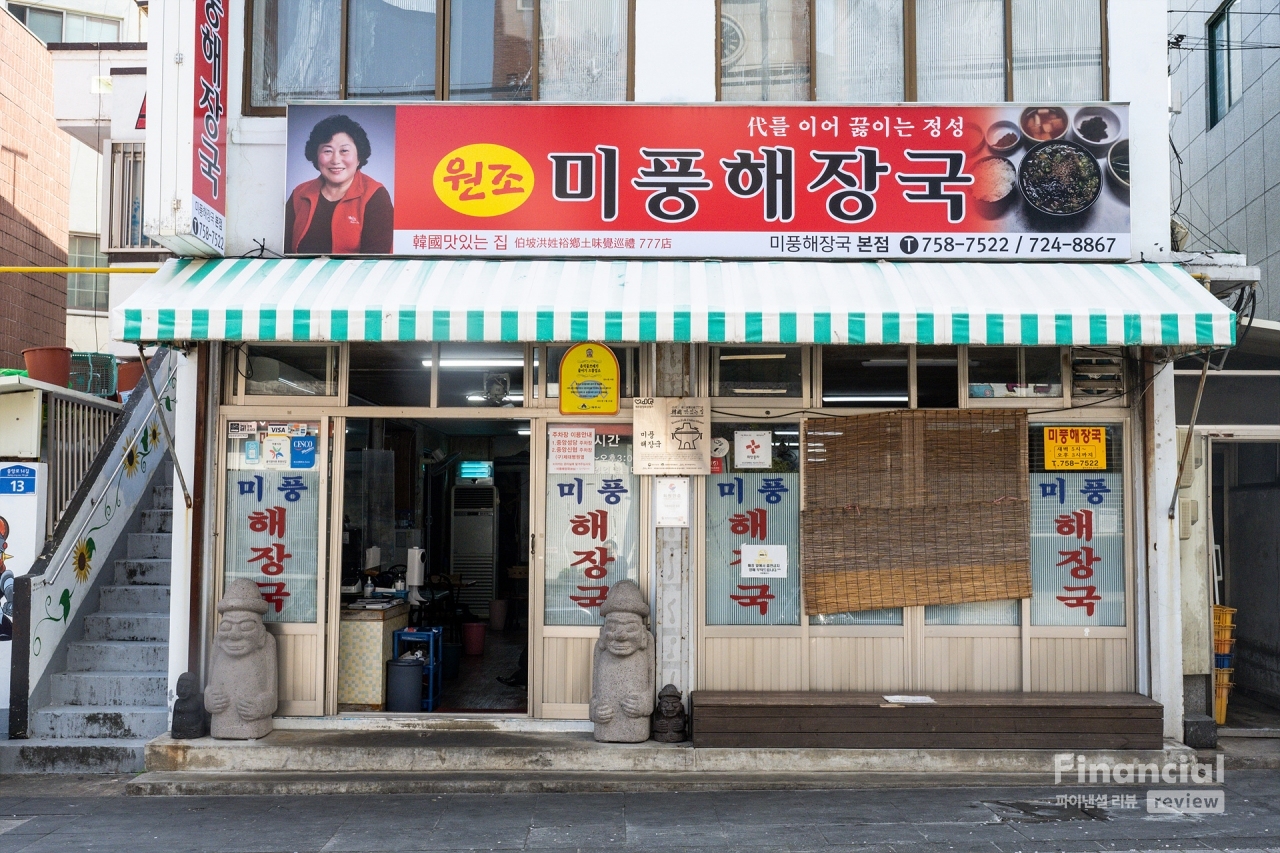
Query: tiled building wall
[[34, 155], [1229, 192]]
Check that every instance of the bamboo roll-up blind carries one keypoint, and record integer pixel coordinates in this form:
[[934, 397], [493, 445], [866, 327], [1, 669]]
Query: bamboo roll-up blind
[[911, 508]]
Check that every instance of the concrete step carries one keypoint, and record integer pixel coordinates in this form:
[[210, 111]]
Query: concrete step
[[143, 572], [136, 598], [127, 626], [72, 755], [150, 546], [75, 721], [155, 521], [577, 752], [108, 688], [162, 497], [118, 656]]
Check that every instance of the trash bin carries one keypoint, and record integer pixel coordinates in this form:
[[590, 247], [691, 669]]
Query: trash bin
[[498, 614], [473, 637], [451, 661], [404, 685]]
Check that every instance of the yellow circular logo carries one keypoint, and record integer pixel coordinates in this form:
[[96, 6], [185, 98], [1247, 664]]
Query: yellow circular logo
[[483, 179]]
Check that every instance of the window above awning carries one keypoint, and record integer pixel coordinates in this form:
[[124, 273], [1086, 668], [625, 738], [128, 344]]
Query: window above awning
[[319, 299]]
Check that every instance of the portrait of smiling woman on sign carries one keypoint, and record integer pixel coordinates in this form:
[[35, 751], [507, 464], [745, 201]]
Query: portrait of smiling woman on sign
[[343, 211]]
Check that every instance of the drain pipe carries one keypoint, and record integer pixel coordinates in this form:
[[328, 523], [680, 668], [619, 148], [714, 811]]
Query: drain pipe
[[1191, 428], [164, 427]]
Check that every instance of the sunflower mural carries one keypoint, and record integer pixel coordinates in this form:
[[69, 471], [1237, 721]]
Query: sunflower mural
[[153, 435], [82, 559], [132, 459]]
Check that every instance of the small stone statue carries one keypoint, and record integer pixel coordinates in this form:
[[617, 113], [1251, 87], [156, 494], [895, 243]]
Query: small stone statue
[[623, 681], [669, 718], [242, 691], [190, 719]]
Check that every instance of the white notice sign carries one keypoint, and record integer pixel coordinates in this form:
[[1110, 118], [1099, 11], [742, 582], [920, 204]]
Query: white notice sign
[[671, 501], [672, 435], [764, 561], [753, 448], [571, 450]]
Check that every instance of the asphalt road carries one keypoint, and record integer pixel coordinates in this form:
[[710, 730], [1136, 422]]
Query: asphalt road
[[48, 814]]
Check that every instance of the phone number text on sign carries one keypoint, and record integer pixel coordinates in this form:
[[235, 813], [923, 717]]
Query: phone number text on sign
[[1075, 448]]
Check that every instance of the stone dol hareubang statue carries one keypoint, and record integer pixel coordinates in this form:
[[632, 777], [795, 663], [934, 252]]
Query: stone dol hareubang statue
[[669, 718], [622, 684], [190, 719], [242, 693]]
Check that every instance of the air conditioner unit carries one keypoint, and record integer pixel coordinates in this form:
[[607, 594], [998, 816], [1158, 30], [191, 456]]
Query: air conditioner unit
[[474, 544]]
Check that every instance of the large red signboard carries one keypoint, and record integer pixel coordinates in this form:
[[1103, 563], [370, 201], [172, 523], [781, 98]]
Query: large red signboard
[[209, 157], [756, 181]]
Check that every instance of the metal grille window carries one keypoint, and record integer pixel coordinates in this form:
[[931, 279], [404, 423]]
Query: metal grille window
[[504, 50], [936, 51], [127, 160], [86, 291]]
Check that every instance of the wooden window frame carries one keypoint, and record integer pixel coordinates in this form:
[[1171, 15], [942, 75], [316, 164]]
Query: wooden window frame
[[442, 57], [910, 88]]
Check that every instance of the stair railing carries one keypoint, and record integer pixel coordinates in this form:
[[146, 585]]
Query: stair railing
[[48, 599]]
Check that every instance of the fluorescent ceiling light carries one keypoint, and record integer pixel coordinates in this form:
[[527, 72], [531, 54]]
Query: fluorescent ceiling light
[[480, 398], [754, 357], [786, 432], [861, 399], [475, 363], [522, 432], [754, 391]]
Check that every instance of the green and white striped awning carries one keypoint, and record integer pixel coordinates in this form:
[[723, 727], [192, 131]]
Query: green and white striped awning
[[320, 299]]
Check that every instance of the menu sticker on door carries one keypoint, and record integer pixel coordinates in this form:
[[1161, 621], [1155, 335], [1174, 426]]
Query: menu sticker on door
[[1075, 448], [672, 435], [571, 450], [753, 449]]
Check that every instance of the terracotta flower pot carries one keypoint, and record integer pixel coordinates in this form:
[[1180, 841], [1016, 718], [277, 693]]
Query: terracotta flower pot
[[49, 364], [128, 375]]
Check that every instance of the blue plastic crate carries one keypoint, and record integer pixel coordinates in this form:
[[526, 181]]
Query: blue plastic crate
[[1222, 661], [431, 684]]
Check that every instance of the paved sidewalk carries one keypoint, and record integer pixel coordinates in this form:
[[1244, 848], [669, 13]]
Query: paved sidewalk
[[47, 814]]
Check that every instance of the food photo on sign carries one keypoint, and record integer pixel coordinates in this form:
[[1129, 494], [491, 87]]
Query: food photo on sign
[[754, 181]]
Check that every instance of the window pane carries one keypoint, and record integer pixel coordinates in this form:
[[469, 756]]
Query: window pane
[[859, 377], [859, 44], [960, 51], [753, 529], [1006, 612], [1057, 50], [480, 375], [756, 372], [291, 371], [491, 50], [764, 50], [391, 49], [86, 28], [887, 616], [46, 25], [86, 291], [583, 50], [1015, 372], [389, 374], [937, 378], [1077, 536], [1217, 69], [295, 51], [593, 513]]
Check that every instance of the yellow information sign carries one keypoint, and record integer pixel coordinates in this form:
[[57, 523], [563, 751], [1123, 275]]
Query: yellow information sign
[[589, 381], [1075, 448]]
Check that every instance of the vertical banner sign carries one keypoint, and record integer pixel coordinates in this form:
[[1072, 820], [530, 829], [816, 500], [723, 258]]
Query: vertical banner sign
[[208, 175], [593, 521], [273, 535], [753, 549], [673, 435], [1077, 548]]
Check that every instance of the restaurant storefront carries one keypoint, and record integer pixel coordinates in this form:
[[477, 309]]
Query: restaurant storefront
[[905, 492]]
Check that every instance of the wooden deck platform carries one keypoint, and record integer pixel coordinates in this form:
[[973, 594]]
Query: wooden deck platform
[[1066, 721]]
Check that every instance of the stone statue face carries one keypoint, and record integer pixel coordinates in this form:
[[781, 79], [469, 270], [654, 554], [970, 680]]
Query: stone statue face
[[241, 632], [669, 706], [186, 686], [624, 634]]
